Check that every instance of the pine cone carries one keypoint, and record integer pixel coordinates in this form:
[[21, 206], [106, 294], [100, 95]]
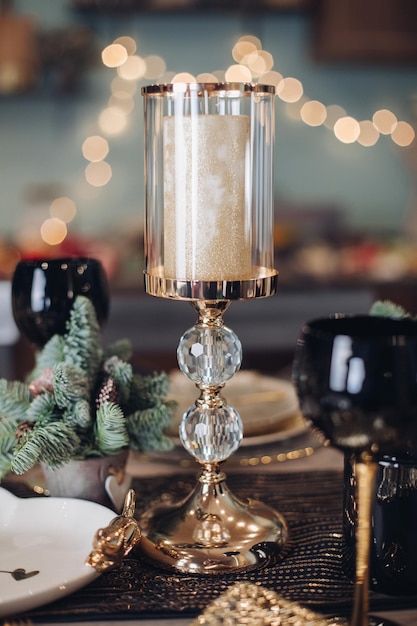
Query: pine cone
[[107, 392], [23, 428], [45, 382]]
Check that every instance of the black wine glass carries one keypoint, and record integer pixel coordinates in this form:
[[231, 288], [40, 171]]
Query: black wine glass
[[356, 379], [44, 290]]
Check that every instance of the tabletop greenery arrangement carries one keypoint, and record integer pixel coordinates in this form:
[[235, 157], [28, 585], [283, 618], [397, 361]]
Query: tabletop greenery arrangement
[[80, 401]]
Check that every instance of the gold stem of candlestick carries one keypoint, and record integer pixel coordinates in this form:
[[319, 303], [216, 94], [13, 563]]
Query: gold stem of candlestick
[[212, 531]]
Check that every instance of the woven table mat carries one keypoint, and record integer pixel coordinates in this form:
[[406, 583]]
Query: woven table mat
[[309, 571]]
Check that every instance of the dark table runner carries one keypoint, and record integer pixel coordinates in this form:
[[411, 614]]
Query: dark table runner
[[309, 572]]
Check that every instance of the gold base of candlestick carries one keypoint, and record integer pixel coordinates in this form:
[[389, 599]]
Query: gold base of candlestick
[[211, 531]]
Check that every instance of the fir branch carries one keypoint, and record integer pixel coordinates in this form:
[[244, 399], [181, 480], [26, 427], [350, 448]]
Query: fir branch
[[386, 308], [79, 416], [121, 348], [146, 428], [110, 429], [70, 385], [146, 391], [51, 353], [7, 435], [43, 409], [54, 443], [5, 464], [14, 399], [122, 373], [119, 370], [81, 341]]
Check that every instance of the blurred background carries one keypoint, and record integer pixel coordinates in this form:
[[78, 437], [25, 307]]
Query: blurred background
[[71, 146]]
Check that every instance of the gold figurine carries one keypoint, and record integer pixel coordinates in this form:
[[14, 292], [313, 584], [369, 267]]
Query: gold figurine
[[112, 543]]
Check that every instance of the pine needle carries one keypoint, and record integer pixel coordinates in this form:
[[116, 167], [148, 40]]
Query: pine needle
[[70, 385], [54, 443], [110, 429], [7, 435], [51, 353], [386, 308], [14, 399]]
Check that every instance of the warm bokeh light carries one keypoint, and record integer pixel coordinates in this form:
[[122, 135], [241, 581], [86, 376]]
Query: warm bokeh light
[[238, 74], [313, 113], [53, 231], [347, 129], [206, 77], [368, 135], [251, 39], [112, 121], [241, 49], [122, 101], [114, 55], [403, 134], [183, 77], [334, 112], [290, 89], [95, 148], [270, 78], [384, 121], [258, 62], [155, 66], [128, 43], [64, 209], [133, 69], [98, 174]]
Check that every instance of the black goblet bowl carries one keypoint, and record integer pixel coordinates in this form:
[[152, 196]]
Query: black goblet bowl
[[356, 379], [44, 290]]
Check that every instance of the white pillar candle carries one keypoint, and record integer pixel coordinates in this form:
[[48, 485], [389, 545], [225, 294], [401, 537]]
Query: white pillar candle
[[207, 229]]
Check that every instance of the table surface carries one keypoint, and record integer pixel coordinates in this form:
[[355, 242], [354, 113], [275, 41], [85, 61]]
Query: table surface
[[321, 459]]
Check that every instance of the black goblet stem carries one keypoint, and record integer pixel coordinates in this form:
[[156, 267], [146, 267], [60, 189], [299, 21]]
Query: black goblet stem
[[366, 468]]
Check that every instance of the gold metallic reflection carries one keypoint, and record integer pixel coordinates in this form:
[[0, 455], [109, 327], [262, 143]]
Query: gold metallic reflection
[[263, 284]]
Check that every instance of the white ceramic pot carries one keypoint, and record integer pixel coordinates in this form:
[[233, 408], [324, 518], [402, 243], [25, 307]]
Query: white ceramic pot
[[100, 479]]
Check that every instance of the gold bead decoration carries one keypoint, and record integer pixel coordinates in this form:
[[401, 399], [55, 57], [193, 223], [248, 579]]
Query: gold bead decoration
[[247, 603]]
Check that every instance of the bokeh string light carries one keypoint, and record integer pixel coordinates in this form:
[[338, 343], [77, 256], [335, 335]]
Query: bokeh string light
[[63, 209], [248, 53], [251, 64], [254, 64], [95, 148], [53, 231]]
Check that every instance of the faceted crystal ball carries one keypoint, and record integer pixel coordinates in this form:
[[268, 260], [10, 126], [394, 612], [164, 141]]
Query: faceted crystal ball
[[211, 435], [209, 355]]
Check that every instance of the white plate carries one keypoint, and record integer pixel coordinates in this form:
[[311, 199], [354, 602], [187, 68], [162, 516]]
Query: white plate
[[43, 546]]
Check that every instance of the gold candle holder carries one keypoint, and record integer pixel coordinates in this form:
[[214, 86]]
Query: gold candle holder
[[209, 240]]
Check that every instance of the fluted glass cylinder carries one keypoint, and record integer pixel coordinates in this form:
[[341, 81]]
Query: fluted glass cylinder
[[208, 179]]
